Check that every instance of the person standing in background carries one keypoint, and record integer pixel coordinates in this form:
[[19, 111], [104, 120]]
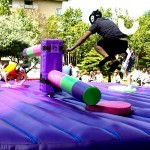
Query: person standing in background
[[99, 76], [66, 69], [127, 63], [116, 77], [75, 70]]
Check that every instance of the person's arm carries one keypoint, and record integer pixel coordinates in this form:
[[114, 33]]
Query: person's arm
[[4, 76], [80, 40], [25, 77], [129, 53]]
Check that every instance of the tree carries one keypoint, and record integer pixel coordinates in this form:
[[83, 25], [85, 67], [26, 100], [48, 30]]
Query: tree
[[90, 61], [4, 7], [73, 26], [51, 28], [140, 41], [15, 35]]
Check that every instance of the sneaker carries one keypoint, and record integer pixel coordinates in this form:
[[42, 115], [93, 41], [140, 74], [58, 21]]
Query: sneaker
[[114, 66], [102, 63]]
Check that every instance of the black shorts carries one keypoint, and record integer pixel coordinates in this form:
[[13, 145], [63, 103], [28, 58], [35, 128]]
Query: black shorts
[[113, 46]]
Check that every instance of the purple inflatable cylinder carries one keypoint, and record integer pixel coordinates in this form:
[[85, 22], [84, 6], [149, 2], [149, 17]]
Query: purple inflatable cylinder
[[87, 93], [32, 51], [79, 92], [82, 91]]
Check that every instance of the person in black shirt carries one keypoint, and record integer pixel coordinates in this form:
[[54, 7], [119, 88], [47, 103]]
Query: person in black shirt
[[113, 41]]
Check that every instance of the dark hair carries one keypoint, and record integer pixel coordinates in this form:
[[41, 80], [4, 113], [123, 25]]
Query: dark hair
[[94, 15], [73, 63]]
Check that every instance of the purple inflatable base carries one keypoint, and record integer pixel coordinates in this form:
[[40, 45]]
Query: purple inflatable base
[[33, 121]]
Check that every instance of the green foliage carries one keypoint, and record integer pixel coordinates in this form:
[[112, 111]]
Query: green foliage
[[4, 7], [140, 41], [70, 21], [51, 29], [73, 27], [25, 28], [71, 17], [106, 13], [91, 61], [15, 36], [77, 31]]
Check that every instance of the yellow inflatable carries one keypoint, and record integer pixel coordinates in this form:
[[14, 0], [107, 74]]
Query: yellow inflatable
[[10, 69]]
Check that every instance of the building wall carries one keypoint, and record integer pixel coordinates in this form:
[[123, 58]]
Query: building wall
[[46, 7], [49, 8]]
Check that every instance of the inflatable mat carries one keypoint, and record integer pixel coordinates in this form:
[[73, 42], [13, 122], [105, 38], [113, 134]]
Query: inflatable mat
[[30, 120], [13, 86], [120, 88]]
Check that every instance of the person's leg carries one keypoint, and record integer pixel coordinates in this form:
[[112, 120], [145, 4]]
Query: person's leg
[[107, 48], [102, 52], [116, 47], [4, 76], [21, 77], [114, 66]]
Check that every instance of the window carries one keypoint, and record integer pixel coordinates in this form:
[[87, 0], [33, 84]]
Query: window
[[28, 4], [58, 11]]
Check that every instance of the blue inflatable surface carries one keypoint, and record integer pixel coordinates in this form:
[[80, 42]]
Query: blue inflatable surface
[[30, 120]]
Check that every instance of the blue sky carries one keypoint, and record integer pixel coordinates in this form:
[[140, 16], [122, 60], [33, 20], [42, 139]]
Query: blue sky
[[135, 7]]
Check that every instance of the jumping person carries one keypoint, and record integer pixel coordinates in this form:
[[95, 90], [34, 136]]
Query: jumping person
[[113, 40]]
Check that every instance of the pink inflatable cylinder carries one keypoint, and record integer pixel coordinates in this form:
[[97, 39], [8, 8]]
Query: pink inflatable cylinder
[[32, 51], [37, 50], [55, 77]]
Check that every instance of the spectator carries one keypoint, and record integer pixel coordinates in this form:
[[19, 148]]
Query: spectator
[[116, 77], [85, 76], [75, 70], [142, 76], [127, 63], [66, 69], [145, 80], [99, 76], [92, 76]]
